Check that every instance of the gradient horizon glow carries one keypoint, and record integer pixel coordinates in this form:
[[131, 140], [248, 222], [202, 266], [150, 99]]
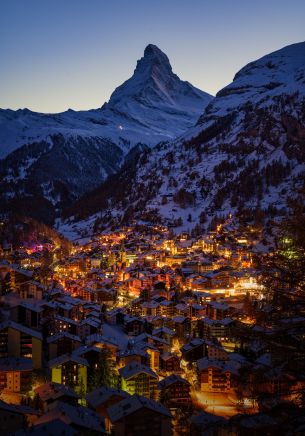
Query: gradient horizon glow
[[60, 54]]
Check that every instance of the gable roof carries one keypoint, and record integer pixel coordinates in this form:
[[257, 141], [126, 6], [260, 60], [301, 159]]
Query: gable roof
[[134, 368], [52, 391], [103, 394], [79, 417], [171, 379], [132, 404]]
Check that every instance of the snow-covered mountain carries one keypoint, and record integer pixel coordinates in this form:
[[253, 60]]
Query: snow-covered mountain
[[246, 153], [64, 155]]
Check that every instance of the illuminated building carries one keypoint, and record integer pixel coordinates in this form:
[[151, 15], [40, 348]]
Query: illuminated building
[[139, 379], [70, 370]]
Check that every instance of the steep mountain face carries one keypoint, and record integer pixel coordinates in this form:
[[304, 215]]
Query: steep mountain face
[[64, 155], [246, 152], [157, 99]]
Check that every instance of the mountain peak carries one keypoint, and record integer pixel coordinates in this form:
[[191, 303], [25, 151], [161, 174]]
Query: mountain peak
[[153, 60], [154, 87], [153, 52]]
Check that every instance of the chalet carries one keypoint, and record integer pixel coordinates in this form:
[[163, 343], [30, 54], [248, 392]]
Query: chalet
[[194, 350], [217, 375], [50, 392], [28, 313], [216, 310], [31, 289], [170, 362], [140, 379], [15, 374], [175, 390], [132, 355], [164, 333], [62, 343], [137, 415], [133, 326], [104, 397], [181, 325], [70, 370], [17, 340], [14, 417], [81, 419], [218, 329]]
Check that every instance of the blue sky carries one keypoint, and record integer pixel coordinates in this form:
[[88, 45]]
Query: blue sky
[[60, 54]]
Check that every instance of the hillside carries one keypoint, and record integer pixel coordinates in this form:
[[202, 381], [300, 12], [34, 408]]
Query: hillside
[[52, 159], [246, 153]]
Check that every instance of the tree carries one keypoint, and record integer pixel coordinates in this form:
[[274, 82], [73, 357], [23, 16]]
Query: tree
[[283, 276], [283, 271], [104, 374]]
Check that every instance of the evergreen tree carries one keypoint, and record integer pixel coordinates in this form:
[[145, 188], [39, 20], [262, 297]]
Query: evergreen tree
[[104, 374]]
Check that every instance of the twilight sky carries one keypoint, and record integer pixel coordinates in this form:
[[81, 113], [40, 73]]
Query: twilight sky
[[60, 54]]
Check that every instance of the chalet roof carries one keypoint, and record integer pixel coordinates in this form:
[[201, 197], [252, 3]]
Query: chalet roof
[[80, 417], [196, 342], [218, 306], [223, 365], [55, 338], [93, 322], [66, 319], [171, 379], [167, 355], [103, 394], [18, 408], [67, 358], [165, 330], [224, 321], [135, 351], [53, 391], [145, 337], [132, 404], [179, 319], [21, 328], [32, 304], [134, 368]]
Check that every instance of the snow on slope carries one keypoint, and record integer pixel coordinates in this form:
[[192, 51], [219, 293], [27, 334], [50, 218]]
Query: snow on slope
[[58, 157], [153, 105], [247, 151]]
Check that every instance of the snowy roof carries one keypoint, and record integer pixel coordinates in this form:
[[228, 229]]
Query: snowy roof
[[67, 358], [103, 394], [134, 368], [167, 355], [18, 408], [224, 321], [173, 378], [53, 391], [165, 330], [75, 416], [225, 366], [132, 404], [196, 342], [55, 338], [21, 328]]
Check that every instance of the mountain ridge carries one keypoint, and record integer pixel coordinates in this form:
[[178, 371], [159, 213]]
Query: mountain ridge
[[80, 140], [247, 151]]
